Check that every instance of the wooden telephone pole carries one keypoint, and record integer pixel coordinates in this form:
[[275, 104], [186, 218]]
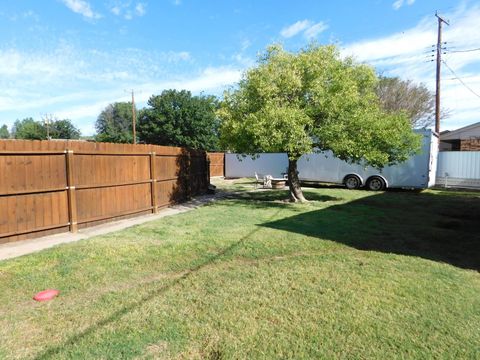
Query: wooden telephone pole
[[47, 119], [134, 118], [439, 63]]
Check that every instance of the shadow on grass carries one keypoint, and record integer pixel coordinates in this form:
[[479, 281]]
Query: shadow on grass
[[54, 351], [434, 227], [281, 196]]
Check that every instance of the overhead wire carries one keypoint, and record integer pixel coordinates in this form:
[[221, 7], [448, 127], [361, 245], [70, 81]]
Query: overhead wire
[[463, 51], [460, 79]]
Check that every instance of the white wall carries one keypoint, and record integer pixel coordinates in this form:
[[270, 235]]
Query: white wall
[[459, 168], [266, 164]]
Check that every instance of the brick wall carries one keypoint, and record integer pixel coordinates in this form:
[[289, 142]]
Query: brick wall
[[470, 145]]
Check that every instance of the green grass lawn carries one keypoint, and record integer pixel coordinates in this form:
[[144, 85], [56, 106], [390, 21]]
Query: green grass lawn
[[352, 274]]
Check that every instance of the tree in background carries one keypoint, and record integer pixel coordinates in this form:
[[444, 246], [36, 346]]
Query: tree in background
[[4, 133], [313, 101], [63, 129], [176, 118], [30, 129], [114, 124], [415, 100]]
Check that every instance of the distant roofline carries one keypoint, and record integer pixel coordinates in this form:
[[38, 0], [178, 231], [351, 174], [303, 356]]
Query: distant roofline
[[450, 135]]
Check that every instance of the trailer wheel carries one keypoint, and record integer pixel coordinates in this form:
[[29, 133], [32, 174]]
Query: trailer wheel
[[352, 182], [376, 183]]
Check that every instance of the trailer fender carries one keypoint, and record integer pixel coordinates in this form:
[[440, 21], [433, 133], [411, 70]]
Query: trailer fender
[[362, 181], [378, 176]]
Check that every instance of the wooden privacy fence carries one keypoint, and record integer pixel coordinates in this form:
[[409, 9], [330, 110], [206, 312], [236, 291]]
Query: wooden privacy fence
[[217, 163], [54, 186]]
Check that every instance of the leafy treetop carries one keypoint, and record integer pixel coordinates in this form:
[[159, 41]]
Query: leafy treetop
[[114, 124], [4, 133], [313, 101], [310, 101], [415, 100], [30, 129], [176, 118]]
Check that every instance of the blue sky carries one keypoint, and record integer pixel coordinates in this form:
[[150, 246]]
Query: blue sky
[[71, 58]]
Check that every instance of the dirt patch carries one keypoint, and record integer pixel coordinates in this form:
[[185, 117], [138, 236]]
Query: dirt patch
[[158, 350]]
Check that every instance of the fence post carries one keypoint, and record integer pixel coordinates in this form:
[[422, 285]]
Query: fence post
[[153, 189], [72, 199]]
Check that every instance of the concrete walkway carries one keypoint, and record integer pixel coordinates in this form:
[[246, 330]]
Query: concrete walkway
[[19, 248]]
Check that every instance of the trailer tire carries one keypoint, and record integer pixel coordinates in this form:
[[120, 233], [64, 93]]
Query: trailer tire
[[352, 182], [376, 183]]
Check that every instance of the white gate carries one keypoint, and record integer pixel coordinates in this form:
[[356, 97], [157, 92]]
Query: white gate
[[459, 169]]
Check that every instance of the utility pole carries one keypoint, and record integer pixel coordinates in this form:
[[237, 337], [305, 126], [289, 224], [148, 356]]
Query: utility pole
[[439, 62], [134, 118], [46, 121]]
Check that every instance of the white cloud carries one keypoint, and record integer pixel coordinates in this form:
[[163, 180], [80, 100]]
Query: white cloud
[[399, 3], [246, 43], [406, 54], [116, 10], [309, 28], [173, 56], [140, 9], [314, 30], [127, 9], [81, 7], [294, 29], [33, 83], [211, 80]]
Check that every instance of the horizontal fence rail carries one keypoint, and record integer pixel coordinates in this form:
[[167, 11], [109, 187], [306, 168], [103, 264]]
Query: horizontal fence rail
[[48, 187]]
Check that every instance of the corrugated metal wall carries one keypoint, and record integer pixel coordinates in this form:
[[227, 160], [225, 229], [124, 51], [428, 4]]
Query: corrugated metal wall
[[459, 168]]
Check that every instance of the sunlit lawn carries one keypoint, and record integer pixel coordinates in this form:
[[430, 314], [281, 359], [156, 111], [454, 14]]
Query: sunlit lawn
[[352, 274]]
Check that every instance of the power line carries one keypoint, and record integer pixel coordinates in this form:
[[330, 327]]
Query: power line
[[463, 51], [459, 79]]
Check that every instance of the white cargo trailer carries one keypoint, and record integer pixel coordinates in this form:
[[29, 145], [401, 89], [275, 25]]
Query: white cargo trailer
[[418, 172]]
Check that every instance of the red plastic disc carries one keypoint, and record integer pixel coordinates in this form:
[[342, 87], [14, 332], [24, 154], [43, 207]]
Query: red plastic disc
[[46, 295]]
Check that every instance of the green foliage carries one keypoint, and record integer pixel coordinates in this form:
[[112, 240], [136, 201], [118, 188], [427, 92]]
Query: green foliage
[[415, 100], [63, 129], [29, 129], [176, 118], [4, 133], [114, 124], [313, 100]]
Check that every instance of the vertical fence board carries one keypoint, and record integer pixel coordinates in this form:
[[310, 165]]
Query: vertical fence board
[[217, 164]]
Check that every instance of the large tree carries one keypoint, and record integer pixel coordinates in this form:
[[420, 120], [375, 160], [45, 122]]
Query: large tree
[[29, 129], [63, 129], [177, 118], [4, 133], [416, 100], [312, 101], [114, 124]]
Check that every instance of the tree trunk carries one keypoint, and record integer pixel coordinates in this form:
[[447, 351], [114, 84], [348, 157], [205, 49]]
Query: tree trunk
[[296, 193]]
